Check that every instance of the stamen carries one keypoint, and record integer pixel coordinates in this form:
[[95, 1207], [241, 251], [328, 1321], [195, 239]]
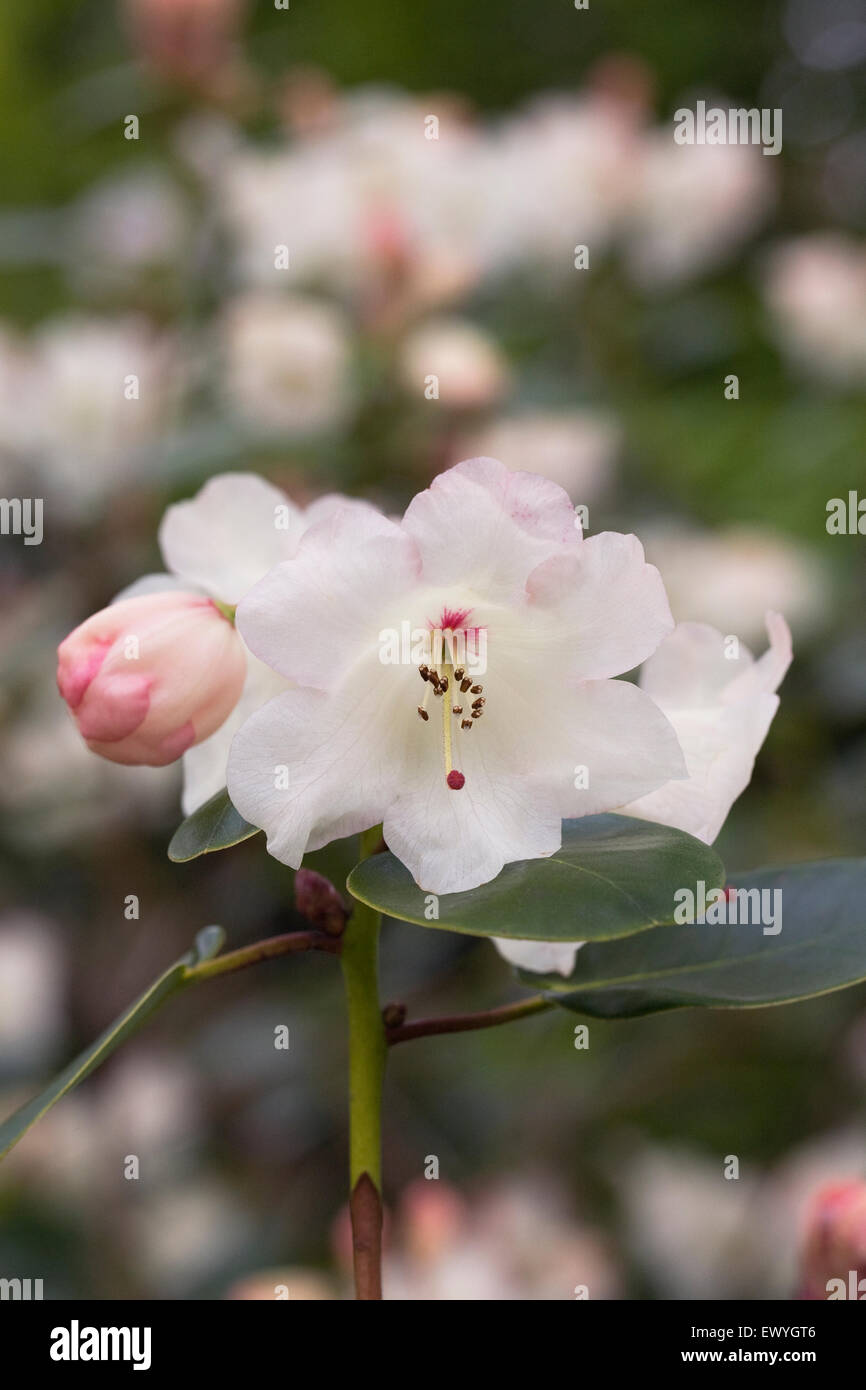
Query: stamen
[[441, 680]]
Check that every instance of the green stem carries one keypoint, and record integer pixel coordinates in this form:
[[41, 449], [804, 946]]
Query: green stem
[[360, 963]]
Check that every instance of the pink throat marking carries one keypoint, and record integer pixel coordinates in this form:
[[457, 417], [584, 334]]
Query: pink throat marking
[[451, 618]]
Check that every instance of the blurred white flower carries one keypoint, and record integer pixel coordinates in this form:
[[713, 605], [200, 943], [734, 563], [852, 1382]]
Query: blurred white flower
[[575, 448], [127, 223], [730, 578], [56, 792], [88, 396], [564, 175], [815, 291], [148, 1106], [469, 368], [700, 1235], [516, 1241], [266, 1285], [367, 204], [31, 990], [286, 363], [693, 206], [189, 1232]]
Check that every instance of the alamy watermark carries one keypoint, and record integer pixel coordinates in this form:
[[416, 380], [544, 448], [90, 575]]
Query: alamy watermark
[[416, 646], [22, 516], [737, 126], [729, 907]]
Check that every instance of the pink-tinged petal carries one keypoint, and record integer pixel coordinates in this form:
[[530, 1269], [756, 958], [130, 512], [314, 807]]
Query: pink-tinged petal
[[312, 618], [611, 604], [116, 709], [75, 672], [483, 528], [231, 533], [541, 957]]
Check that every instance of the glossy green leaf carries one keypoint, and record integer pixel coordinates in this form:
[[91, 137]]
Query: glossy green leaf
[[614, 875], [821, 947], [208, 943], [215, 825]]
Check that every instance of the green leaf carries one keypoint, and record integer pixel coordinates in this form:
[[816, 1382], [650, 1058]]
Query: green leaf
[[614, 875], [821, 947], [208, 943], [215, 825]]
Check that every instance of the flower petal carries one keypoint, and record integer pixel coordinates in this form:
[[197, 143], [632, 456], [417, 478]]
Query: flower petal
[[542, 957], [205, 766], [485, 528], [723, 728], [313, 617], [610, 601], [608, 745], [310, 767], [230, 534]]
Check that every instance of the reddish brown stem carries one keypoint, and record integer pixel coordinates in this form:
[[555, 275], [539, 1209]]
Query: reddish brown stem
[[365, 1206]]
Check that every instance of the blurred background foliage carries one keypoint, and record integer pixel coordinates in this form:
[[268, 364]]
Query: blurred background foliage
[[558, 1166]]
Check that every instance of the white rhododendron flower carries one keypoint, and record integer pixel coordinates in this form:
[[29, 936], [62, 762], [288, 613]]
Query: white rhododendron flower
[[721, 703], [220, 543], [485, 561]]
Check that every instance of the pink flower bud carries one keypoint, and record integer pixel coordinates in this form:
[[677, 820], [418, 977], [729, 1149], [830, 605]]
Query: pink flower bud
[[834, 1257], [148, 677]]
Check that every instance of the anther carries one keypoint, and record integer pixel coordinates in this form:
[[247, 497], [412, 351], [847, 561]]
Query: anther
[[424, 672], [479, 703], [443, 684], [465, 684], [423, 713], [466, 723], [456, 709], [477, 713], [459, 673], [477, 689]]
